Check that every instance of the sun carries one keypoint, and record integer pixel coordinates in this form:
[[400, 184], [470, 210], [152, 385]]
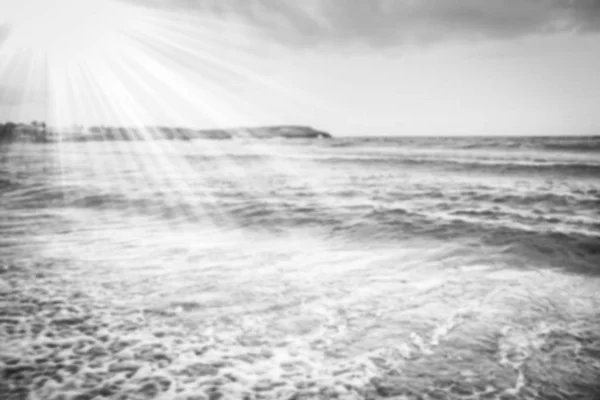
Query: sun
[[61, 53], [65, 28]]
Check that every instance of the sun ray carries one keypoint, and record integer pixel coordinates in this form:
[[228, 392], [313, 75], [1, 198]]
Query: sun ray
[[227, 165], [151, 67], [176, 188], [222, 91], [159, 45]]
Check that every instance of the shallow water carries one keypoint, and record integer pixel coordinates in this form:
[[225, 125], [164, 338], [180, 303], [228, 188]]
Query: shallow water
[[352, 268]]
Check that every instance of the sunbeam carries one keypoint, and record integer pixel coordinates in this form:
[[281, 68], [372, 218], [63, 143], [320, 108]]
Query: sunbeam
[[133, 67]]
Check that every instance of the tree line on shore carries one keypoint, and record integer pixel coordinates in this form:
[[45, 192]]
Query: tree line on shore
[[40, 132], [10, 131]]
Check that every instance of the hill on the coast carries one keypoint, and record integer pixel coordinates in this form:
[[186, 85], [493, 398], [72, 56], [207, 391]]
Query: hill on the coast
[[36, 132]]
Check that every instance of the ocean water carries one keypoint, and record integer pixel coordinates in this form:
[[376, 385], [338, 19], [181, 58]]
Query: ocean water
[[352, 268]]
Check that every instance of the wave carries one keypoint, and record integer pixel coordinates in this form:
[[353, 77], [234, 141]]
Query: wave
[[549, 143], [358, 203], [7, 184], [585, 146], [492, 165], [365, 223], [589, 199], [575, 144], [565, 248], [361, 219]]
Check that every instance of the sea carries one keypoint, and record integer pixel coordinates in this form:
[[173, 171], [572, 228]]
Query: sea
[[351, 268]]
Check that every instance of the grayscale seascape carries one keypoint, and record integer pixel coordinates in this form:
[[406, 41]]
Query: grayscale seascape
[[299, 200], [350, 268]]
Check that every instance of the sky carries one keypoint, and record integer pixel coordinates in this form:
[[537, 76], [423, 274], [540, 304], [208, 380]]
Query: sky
[[350, 67]]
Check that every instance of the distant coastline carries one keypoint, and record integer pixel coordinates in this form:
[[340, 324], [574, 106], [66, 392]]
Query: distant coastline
[[40, 133]]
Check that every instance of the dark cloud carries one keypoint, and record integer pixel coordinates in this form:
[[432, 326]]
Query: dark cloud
[[393, 22]]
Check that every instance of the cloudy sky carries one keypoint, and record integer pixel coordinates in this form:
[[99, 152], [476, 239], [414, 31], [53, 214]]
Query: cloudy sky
[[352, 67]]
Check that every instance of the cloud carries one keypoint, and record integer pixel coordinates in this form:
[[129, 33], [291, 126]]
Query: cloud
[[4, 31], [384, 23]]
